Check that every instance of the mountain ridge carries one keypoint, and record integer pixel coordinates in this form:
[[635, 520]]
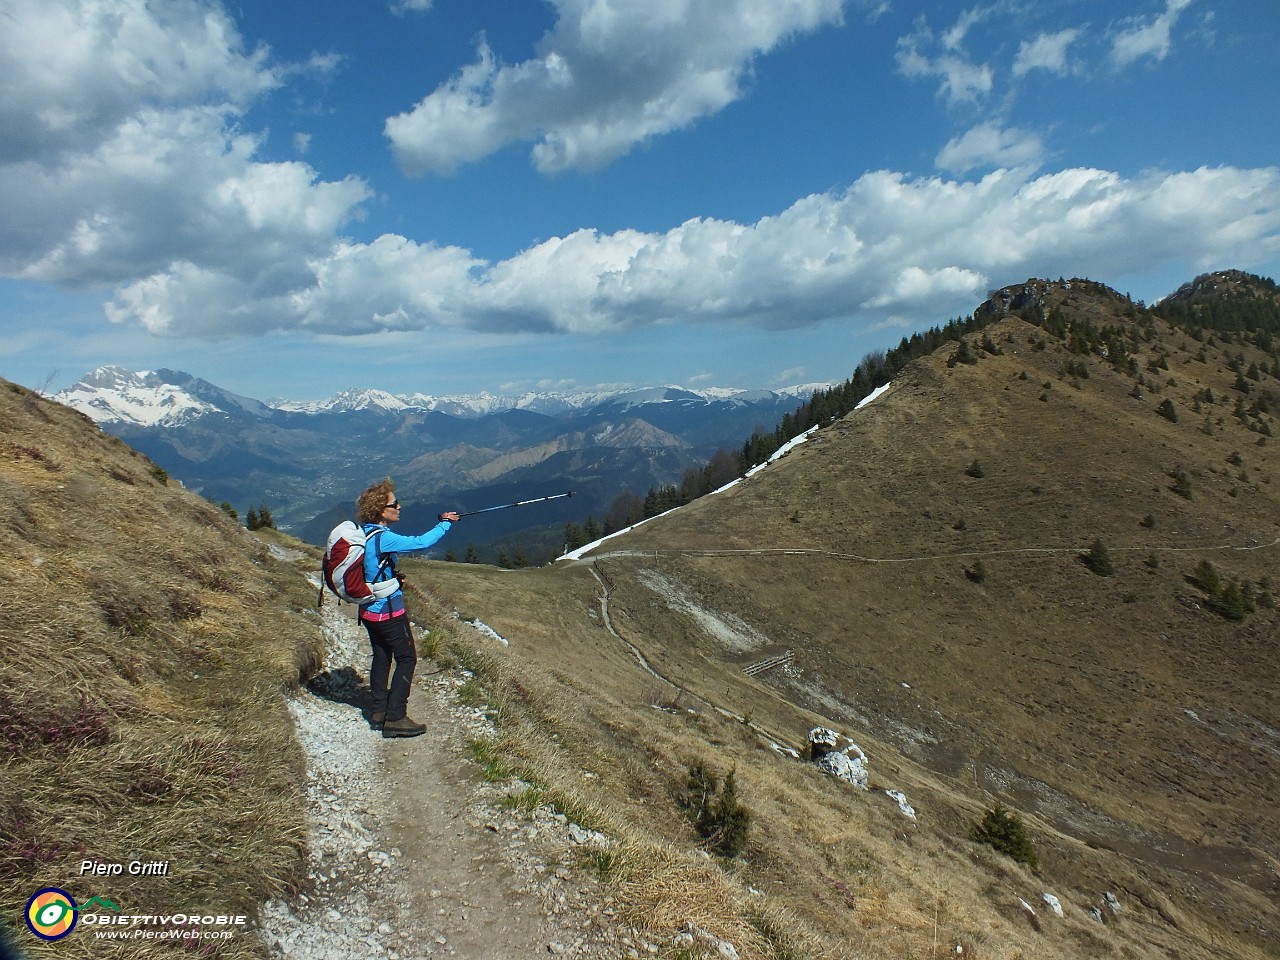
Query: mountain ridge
[[163, 397], [308, 464]]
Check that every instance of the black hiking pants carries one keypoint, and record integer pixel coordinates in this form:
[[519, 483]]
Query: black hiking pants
[[392, 641]]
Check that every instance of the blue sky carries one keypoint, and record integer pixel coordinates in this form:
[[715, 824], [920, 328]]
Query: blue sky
[[452, 196]]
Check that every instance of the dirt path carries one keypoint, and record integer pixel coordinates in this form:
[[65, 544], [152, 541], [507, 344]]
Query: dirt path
[[412, 853]]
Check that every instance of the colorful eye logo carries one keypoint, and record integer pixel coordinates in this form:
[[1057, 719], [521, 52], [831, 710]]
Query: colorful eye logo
[[51, 913]]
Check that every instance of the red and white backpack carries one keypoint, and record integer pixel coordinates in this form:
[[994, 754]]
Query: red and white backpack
[[343, 566]]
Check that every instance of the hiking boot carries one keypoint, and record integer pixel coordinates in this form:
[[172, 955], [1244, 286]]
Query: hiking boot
[[404, 727], [377, 718]]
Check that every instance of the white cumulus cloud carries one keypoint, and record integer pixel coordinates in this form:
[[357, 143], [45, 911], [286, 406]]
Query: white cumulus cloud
[[961, 79], [74, 71], [606, 77], [989, 144], [1048, 51], [1153, 38], [120, 123], [889, 245]]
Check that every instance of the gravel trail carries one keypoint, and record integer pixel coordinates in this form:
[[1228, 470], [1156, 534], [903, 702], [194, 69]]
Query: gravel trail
[[412, 854]]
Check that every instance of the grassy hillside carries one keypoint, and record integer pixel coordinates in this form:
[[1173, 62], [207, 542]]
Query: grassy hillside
[[996, 580], [148, 643]]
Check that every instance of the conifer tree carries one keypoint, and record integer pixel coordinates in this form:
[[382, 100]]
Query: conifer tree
[[1207, 579], [1231, 602], [1003, 830], [572, 537], [732, 820], [1098, 560]]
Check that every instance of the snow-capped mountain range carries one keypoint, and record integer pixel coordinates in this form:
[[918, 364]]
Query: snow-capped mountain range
[[309, 460], [169, 398]]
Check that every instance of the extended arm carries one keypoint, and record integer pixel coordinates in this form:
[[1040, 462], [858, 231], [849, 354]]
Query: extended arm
[[391, 542]]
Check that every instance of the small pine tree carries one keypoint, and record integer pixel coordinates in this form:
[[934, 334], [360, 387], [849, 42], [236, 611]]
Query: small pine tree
[[975, 470], [264, 517], [1149, 521], [715, 811], [471, 555], [977, 573], [251, 519], [1207, 579], [1098, 560], [1232, 602], [1003, 830], [699, 795], [1168, 410], [732, 819], [964, 354], [229, 510], [572, 537]]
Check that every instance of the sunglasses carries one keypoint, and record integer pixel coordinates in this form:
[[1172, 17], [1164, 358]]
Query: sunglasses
[[393, 505]]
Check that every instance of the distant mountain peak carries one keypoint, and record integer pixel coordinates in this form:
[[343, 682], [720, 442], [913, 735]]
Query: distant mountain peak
[[112, 394], [365, 399], [151, 398]]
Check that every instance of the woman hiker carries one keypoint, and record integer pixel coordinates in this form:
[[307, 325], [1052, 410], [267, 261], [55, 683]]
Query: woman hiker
[[386, 620]]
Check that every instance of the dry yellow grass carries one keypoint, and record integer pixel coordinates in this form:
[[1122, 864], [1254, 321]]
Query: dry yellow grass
[[148, 645]]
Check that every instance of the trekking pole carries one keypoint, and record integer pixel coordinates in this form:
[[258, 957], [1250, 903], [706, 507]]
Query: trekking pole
[[518, 503]]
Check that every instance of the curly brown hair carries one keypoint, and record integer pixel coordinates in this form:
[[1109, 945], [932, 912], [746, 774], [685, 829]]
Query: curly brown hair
[[371, 503]]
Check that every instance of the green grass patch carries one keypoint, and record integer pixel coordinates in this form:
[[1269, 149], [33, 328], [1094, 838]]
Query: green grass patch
[[484, 751]]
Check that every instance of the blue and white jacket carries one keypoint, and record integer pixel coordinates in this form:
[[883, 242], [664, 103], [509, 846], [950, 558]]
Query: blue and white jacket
[[384, 546]]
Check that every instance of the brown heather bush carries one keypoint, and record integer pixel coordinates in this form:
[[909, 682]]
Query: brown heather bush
[[146, 646]]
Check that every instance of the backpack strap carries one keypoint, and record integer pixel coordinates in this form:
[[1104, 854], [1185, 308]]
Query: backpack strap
[[373, 536]]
